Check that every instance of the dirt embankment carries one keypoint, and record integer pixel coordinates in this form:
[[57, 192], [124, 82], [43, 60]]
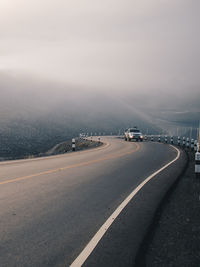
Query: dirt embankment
[[67, 146]]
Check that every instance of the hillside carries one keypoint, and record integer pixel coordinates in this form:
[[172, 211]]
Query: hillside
[[36, 115]]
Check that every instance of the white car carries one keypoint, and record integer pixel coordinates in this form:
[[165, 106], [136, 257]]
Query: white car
[[133, 134]]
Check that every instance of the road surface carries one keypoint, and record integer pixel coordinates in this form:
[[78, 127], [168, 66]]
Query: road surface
[[51, 207]]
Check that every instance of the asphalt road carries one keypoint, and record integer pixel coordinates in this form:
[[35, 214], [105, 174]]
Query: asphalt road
[[51, 207]]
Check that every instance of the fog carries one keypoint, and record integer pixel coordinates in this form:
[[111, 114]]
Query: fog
[[99, 64], [117, 45]]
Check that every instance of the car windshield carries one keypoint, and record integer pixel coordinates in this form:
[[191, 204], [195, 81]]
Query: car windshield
[[134, 131]]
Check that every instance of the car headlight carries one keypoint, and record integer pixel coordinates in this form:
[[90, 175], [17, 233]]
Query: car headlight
[[141, 136]]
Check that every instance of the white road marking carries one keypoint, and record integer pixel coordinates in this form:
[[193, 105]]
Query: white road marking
[[81, 164], [78, 262]]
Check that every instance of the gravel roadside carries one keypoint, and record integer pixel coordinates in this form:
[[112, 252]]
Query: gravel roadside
[[174, 239]]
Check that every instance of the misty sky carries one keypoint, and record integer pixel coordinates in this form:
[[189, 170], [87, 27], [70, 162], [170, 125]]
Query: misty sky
[[122, 45]]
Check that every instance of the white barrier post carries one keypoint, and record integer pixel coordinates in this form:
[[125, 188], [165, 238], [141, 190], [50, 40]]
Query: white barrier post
[[152, 138], [195, 145], [192, 144], [145, 137], [159, 138], [183, 141], [197, 162], [179, 140], [188, 142], [172, 140], [73, 144], [165, 139]]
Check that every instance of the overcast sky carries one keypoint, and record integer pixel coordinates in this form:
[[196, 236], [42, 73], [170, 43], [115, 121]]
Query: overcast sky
[[123, 45]]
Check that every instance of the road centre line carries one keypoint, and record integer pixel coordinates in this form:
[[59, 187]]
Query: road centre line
[[112, 156], [79, 261]]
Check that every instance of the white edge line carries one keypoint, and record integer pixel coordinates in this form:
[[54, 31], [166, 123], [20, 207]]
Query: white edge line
[[103, 229]]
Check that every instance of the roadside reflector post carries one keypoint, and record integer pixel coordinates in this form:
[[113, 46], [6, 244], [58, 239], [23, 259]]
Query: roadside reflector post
[[192, 144], [195, 145], [179, 140], [159, 138], [188, 142], [73, 144], [197, 163], [165, 139], [172, 140], [183, 141], [152, 138]]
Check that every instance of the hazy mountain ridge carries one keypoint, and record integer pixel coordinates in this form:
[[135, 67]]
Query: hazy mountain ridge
[[36, 114], [35, 117]]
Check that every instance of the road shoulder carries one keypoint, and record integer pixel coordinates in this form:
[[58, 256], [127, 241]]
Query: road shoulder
[[175, 234], [120, 244]]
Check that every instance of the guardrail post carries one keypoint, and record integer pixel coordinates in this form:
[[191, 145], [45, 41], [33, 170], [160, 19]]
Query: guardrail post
[[197, 164], [183, 141], [192, 144], [172, 140], [188, 142], [195, 145], [179, 141], [73, 144]]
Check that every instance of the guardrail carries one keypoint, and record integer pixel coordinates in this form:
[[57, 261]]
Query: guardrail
[[185, 142]]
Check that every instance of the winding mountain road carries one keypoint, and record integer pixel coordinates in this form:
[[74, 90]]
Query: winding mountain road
[[50, 208]]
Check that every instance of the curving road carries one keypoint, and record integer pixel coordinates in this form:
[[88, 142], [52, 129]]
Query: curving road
[[51, 207]]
